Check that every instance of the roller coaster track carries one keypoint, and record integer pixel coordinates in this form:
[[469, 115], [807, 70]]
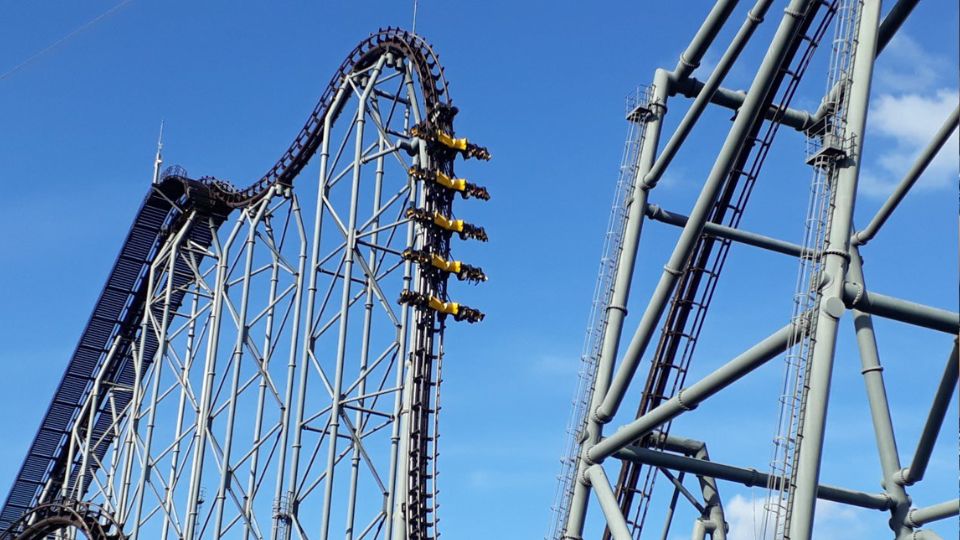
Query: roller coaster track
[[691, 299], [114, 329]]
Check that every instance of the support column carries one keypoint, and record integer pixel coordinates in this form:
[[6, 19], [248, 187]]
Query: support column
[[941, 401], [333, 427], [807, 472], [713, 513], [608, 503], [751, 111], [617, 310], [879, 409], [236, 359]]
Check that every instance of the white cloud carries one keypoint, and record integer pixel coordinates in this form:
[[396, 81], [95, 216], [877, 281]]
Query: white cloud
[[745, 518], [914, 91], [900, 127], [906, 66], [832, 520]]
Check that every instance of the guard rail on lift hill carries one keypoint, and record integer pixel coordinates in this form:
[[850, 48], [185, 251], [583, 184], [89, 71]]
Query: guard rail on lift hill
[[116, 317]]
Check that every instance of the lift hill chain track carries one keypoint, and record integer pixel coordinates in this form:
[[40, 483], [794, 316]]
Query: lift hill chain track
[[691, 300]]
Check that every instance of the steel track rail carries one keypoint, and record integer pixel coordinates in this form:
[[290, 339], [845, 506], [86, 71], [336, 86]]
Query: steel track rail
[[119, 309], [692, 297]]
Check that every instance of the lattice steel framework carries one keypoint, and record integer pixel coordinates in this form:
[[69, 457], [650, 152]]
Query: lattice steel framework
[[252, 371], [830, 284]]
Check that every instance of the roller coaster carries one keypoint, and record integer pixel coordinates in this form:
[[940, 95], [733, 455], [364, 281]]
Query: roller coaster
[[154, 432], [245, 375]]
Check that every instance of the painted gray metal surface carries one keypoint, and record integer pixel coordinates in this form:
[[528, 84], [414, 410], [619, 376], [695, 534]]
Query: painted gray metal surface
[[840, 292], [863, 236], [836, 254], [270, 378], [746, 477], [750, 111]]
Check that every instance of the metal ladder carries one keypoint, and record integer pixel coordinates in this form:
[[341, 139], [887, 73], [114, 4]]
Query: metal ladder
[[692, 298], [636, 102], [824, 146]]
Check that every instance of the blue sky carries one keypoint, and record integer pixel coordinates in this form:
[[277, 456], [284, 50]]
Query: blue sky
[[542, 84]]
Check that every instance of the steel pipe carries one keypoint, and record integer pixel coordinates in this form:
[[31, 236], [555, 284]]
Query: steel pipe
[[733, 100], [879, 409], [617, 310], [728, 233], [756, 98], [892, 22], [844, 174], [333, 426], [688, 398], [671, 509], [795, 118], [705, 93], [928, 438], [608, 503], [690, 58], [921, 516], [393, 518], [946, 130], [746, 477], [856, 297]]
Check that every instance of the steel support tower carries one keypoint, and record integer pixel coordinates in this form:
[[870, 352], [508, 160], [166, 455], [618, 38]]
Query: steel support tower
[[614, 470], [257, 367]]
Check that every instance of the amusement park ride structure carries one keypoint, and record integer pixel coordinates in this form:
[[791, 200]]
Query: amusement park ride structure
[[261, 367], [247, 375], [830, 283]]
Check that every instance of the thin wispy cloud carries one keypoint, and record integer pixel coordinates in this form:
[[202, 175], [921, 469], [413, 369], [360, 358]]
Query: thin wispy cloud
[[832, 521], [906, 66]]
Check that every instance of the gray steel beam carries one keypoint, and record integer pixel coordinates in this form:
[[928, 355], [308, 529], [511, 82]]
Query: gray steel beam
[[856, 297], [713, 514], [608, 503], [707, 90], [728, 233], [746, 477], [678, 485], [946, 130], [688, 398], [921, 516], [756, 98], [617, 310], [795, 118], [879, 408], [941, 401], [733, 100], [690, 58], [333, 426], [845, 174], [671, 509], [892, 22]]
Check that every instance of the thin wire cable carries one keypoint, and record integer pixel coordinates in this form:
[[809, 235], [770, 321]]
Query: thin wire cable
[[64, 39]]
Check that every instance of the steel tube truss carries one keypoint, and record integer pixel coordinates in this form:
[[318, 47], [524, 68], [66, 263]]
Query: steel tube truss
[[274, 380], [830, 287], [746, 477]]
